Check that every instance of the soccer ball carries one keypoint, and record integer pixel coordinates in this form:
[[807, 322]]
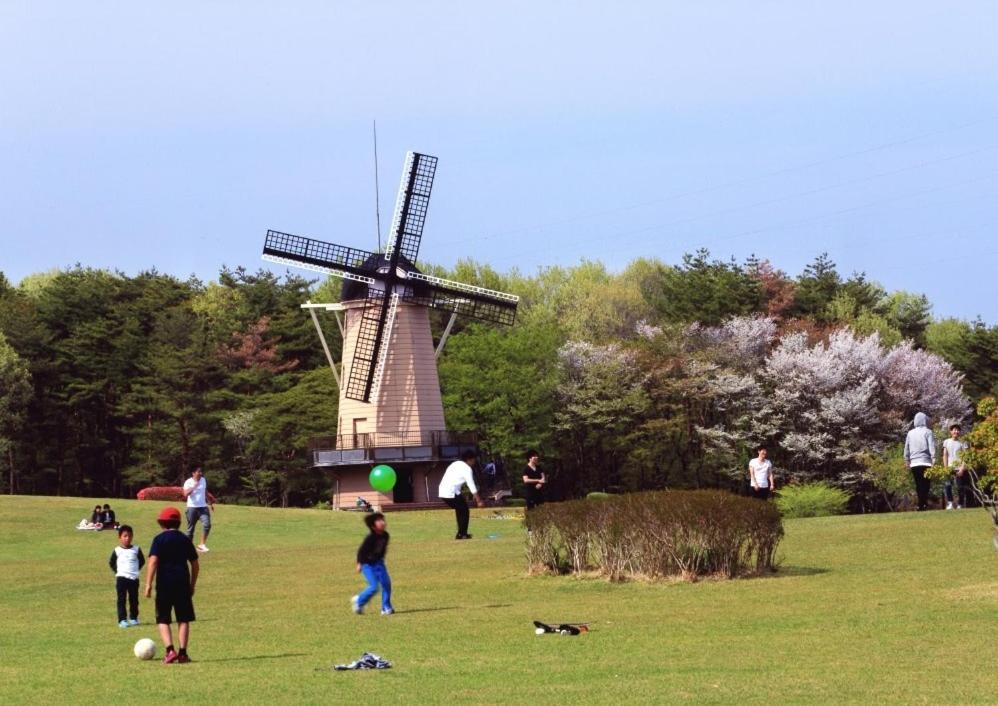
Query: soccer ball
[[145, 648]]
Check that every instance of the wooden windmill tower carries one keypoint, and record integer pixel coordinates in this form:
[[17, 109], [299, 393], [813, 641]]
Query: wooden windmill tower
[[390, 410]]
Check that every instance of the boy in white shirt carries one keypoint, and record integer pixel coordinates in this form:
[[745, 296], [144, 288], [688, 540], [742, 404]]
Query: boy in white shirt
[[126, 560], [761, 475], [952, 448], [457, 475]]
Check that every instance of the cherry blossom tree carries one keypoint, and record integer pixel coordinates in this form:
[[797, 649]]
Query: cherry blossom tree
[[820, 405]]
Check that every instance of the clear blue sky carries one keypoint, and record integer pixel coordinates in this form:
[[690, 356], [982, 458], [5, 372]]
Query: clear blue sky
[[172, 135]]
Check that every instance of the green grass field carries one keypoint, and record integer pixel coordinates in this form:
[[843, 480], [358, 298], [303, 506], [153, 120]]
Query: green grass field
[[888, 608]]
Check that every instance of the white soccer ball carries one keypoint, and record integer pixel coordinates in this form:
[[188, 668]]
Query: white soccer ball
[[145, 648], [540, 631]]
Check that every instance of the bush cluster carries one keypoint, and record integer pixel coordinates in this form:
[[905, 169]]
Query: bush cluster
[[811, 500], [684, 533], [168, 493]]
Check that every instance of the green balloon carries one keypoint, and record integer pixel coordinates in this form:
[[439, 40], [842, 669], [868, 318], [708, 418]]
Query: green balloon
[[382, 478]]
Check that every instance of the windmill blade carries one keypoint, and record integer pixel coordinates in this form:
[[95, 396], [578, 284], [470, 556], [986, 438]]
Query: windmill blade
[[386, 344], [464, 299], [317, 255], [371, 349], [411, 204]]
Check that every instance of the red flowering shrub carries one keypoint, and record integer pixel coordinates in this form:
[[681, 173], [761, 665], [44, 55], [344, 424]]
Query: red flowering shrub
[[168, 493]]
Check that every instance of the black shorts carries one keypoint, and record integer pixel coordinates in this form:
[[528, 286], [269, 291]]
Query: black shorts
[[176, 600]]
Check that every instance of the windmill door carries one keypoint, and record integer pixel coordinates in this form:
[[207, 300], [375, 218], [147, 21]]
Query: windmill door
[[403, 486]]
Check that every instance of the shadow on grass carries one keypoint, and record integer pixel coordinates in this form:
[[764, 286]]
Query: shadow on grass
[[785, 571], [449, 607], [426, 610], [252, 657]]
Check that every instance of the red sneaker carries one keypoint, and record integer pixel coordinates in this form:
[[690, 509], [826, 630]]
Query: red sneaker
[[183, 659], [171, 657]]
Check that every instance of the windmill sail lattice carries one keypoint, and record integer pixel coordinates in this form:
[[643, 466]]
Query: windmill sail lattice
[[391, 278], [411, 204]]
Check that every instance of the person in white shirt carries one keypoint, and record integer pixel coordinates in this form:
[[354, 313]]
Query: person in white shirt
[[196, 492], [761, 475], [457, 475], [125, 562], [952, 448]]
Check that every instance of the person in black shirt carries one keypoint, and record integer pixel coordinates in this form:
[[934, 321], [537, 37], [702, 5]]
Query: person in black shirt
[[169, 555], [371, 563], [534, 480], [107, 518]]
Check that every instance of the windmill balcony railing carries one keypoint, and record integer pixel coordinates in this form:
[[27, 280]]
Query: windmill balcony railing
[[360, 448]]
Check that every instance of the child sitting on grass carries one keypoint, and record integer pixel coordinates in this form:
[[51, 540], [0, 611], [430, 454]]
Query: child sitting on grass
[[169, 555], [371, 563], [126, 560]]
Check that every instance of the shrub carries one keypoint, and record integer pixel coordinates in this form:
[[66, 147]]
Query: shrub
[[890, 475], [657, 535], [168, 493], [811, 500]]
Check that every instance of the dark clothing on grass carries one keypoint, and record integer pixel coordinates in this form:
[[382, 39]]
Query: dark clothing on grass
[[531, 493], [921, 486], [460, 507], [965, 492], [127, 588], [373, 548], [178, 601], [174, 551], [193, 515]]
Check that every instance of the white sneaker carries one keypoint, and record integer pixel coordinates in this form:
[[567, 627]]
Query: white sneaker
[[949, 506], [355, 604], [202, 548]]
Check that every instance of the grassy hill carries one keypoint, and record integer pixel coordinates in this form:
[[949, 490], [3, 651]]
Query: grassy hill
[[888, 608]]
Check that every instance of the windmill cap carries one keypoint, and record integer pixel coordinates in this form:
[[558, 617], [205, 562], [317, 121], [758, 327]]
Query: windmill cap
[[169, 513]]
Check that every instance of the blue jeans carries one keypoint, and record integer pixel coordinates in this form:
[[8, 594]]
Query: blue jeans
[[376, 573]]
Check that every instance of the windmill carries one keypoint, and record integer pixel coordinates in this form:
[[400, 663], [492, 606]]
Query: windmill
[[390, 407]]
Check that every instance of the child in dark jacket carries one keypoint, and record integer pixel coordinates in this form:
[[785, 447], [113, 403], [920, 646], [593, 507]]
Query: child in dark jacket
[[371, 563], [107, 518]]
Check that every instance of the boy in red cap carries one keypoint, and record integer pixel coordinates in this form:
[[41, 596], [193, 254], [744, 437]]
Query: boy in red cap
[[169, 555]]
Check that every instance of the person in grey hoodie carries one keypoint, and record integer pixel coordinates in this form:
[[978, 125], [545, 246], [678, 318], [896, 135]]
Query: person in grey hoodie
[[920, 454]]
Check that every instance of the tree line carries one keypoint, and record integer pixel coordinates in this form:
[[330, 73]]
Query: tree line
[[655, 377]]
